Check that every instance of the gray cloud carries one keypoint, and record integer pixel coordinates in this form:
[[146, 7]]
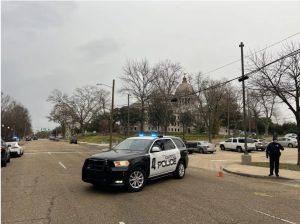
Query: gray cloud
[[100, 48], [34, 15], [65, 45]]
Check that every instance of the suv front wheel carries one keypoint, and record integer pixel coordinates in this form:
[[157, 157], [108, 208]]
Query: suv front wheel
[[136, 180]]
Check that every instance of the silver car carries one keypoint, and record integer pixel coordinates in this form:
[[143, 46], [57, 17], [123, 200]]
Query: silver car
[[201, 146], [288, 142]]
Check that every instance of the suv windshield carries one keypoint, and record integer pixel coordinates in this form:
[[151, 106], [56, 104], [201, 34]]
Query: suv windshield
[[134, 144]]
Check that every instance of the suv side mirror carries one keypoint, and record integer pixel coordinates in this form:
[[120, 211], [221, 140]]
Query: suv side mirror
[[155, 149]]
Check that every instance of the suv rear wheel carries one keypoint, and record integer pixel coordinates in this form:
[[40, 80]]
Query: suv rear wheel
[[180, 170], [222, 147]]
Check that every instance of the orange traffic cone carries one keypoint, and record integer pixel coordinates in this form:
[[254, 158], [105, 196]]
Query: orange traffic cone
[[220, 173]]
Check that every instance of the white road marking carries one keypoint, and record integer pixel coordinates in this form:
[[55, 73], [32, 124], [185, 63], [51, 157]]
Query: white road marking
[[262, 194], [60, 163], [274, 217], [121, 222], [218, 160], [36, 153]]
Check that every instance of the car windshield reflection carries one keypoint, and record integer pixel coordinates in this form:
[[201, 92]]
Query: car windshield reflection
[[134, 144]]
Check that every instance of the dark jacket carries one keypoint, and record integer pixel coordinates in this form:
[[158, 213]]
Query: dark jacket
[[273, 149]]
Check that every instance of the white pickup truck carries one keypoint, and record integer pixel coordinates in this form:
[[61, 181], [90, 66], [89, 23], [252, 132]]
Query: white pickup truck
[[237, 144]]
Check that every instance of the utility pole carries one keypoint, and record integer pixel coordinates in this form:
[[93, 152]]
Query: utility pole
[[246, 159]]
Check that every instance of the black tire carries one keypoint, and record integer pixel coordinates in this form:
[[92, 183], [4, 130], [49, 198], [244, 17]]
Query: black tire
[[136, 180], [180, 170], [239, 149], [222, 147], [290, 145], [4, 163], [201, 151]]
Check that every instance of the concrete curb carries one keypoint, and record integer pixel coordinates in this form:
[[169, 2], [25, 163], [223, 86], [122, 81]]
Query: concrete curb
[[255, 176]]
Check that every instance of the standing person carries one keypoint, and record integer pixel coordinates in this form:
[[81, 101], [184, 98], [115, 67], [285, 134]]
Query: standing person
[[273, 151]]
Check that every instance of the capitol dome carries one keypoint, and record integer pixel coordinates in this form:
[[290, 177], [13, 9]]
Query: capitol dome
[[184, 88]]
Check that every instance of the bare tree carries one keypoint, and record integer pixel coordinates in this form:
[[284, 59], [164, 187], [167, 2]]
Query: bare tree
[[209, 97], [138, 82], [62, 111], [15, 116], [166, 76], [281, 79], [85, 103], [262, 104], [81, 107]]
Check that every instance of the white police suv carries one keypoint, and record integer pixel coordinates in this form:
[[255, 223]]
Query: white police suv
[[135, 160]]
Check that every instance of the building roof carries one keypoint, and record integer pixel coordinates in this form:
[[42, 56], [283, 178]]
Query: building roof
[[184, 88]]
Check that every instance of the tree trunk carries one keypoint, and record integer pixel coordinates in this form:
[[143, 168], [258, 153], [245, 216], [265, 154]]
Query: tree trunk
[[298, 139], [142, 116]]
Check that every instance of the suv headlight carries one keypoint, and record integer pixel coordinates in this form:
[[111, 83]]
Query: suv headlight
[[121, 163]]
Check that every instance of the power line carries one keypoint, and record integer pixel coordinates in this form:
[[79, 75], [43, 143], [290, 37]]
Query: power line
[[247, 74], [247, 56]]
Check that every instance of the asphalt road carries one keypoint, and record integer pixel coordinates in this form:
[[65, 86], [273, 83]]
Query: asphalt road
[[44, 186]]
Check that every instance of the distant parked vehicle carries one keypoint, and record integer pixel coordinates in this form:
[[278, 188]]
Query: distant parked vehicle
[[51, 137], [260, 144], [73, 140], [5, 153], [15, 148], [28, 138], [200, 146], [288, 142], [237, 144], [35, 137], [291, 135]]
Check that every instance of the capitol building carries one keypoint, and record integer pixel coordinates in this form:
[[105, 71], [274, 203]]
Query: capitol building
[[186, 101]]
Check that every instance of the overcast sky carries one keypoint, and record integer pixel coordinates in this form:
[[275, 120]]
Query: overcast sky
[[65, 45]]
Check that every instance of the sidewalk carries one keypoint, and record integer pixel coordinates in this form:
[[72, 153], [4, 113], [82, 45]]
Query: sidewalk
[[260, 172]]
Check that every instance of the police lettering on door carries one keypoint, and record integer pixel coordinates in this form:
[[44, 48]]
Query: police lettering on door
[[169, 160]]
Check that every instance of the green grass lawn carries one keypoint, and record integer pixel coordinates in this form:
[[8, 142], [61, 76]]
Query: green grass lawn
[[117, 137], [286, 166]]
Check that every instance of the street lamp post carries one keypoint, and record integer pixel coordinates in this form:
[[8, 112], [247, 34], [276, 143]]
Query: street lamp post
[[112, 110]]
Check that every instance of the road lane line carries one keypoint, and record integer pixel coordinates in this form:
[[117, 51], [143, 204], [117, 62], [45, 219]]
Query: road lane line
[[274, 217], [50, 153], [60, 163], [262, 194]]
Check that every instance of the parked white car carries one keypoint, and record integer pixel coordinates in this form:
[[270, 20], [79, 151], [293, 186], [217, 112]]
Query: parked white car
[[288, 142], [200, 146], [15, 148], [238, 144], [290, 135]]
